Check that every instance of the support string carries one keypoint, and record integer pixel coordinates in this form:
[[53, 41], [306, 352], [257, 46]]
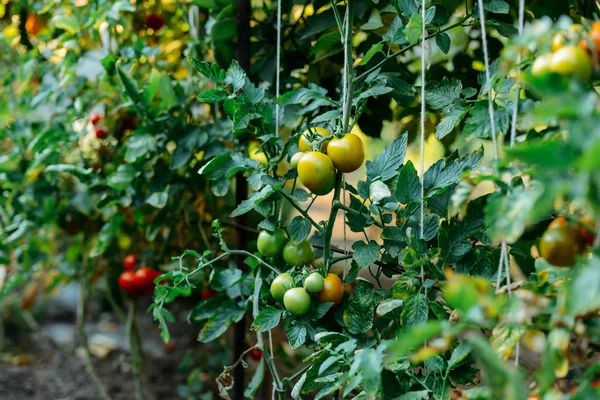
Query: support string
[[422, 135], [278, 66]]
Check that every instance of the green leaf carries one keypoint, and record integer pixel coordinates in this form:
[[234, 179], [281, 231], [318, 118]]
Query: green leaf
[[211, 71], [443, 41], [547, 154], [442, 95], [418, 395], [478, 121], [225, 29], [395, 34], [186, 146], [210, 4], [106, 235], [302, 95], [326, 46], [408, 7], [386, 164], [139, 146], [256, 381], [507, 215], [442, 175], [376, 90], [412, 337], [254, 200], [225, 316], [449, 120], [296, 335], [387, 306], [68, 23], [226, 165], [413, 28], [584, 289], [365, 254], [504, 382], [299, 229], [358, 316], [131, 87], [159, 199], [151, 88], [267, 319], [415, 310], [459, 354], [497, 7], [408, 188], [374, 21], [121, 179], [213, 96], [376, 48]]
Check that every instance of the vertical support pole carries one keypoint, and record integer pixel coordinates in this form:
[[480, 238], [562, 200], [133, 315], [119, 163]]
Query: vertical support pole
[[241, 193]]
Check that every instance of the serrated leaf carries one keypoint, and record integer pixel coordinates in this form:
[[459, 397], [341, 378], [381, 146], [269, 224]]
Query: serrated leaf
[[267, 319], [365, 254], [386, 164], [121, 179], [376, 48], [300, 228], [442, 95], [374, 21], [415, 310], [213, 96]]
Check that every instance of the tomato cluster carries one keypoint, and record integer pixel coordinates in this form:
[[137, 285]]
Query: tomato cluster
[[139, 282], [316, 168], [297, 300], [571, 53], [563, 241], [100, 131], [276, 243]]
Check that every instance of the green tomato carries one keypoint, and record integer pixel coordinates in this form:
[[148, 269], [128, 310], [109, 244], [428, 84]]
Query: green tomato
[[571, 60], [280, 285], [295, 158], [314, 282], [124, 242], [296, 301], [270, 244], [297, 255]]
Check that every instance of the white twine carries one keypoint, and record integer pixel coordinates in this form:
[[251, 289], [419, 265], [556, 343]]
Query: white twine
[[278, 66], [345, 87], [513, 128], [344, 219], [486, 59], [422, 138], [194, 21]]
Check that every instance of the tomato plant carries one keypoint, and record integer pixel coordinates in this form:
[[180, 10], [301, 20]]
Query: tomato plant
[[408, 251]]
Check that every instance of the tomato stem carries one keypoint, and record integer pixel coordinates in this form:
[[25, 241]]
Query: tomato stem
[[331, 222]]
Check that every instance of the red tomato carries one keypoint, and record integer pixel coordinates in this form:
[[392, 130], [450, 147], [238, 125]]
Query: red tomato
[[128, 284], [144, 279], [207, 293], [155, 21], [255, 354], [129, 262], [95, 118], [101, 133]]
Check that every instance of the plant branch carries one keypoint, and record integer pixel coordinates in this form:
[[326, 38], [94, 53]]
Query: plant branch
[[331, 222], [344, 207], [300, 210], [407, 48]]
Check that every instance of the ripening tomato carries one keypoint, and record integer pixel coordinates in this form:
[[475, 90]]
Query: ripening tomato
[[558, 222], [297, 255], [571, 60], [280, 285], [155, 21], [255, 153], [270, 244], [295, 159], [314, 282], [255, 354], [315, 171], [588, 236], [101, 133], [128, 285], [207, 293], [541, 65], [593, 40], [129, 262], [560, 246], [333, 290], [144, 279], [346, 153], [558, 41], [307, 145], [296, 301], [95, 118]]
